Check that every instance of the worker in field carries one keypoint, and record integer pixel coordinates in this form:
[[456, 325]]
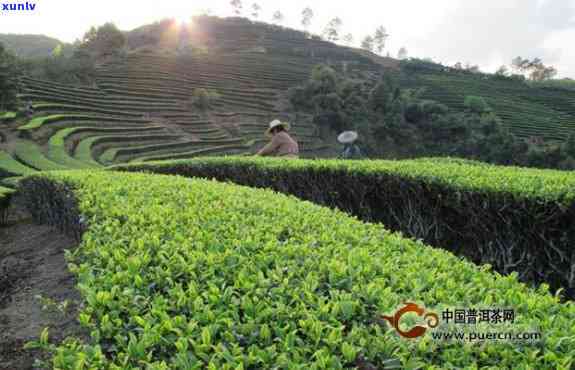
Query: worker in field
[[281, 144], [350, 148], [29, 109]]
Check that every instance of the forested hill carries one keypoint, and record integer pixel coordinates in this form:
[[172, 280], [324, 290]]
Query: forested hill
[[31, 46]]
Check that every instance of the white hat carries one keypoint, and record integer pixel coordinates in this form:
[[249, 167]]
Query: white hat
[[277, 123], [347, 137]]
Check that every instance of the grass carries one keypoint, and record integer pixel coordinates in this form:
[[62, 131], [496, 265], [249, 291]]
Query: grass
[[200, 274]]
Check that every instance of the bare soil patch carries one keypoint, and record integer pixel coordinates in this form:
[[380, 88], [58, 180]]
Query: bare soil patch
[[32, 265]]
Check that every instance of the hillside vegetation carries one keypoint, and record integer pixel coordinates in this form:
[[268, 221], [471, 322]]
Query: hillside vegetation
[[154, 88], [211, 88], [31, 46], [545, 110]]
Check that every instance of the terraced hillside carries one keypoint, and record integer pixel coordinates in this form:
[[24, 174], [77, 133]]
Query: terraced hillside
[[139, 109], [528, 111]]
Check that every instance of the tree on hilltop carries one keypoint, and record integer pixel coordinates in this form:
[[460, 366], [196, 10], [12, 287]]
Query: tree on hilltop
[[256, 8], [402, 53], [535, 69], [519, 64], [348, 39], [380, 39], [103, 41], [307, 16], [278, 17], [367, 43], [472, 68], [237, 6], [502, 71], [331, 31]]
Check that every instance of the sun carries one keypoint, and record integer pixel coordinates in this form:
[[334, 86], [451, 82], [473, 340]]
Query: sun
[[183, 19]]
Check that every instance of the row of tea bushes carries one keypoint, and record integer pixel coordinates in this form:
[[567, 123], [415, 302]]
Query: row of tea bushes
[[190, 274], [514, 218]]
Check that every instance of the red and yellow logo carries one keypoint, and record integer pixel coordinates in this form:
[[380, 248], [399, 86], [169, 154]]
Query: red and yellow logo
[[431, 319]]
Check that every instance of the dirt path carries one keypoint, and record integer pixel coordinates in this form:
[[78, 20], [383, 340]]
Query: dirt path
[[32, 265]]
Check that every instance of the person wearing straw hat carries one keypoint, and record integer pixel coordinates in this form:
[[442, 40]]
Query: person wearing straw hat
[[281, 144], [350, 149]]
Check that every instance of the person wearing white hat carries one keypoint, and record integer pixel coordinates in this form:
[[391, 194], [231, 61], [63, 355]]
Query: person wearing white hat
[[281, 144], [350, 149]]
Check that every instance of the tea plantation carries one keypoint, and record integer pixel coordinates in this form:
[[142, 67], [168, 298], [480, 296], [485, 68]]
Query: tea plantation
[[192, 256], [200, 274], [249, 66], [528, 111]]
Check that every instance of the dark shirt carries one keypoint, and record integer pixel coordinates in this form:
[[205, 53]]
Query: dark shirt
[[351, 151]]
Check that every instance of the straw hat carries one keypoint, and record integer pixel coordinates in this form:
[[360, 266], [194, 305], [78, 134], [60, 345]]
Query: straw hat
[[277, 123], [347, 137]]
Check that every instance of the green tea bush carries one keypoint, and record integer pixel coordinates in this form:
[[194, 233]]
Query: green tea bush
[[476, 104], [10, 166], [7, 116], [195, 274], [514, 218], [204, 99]]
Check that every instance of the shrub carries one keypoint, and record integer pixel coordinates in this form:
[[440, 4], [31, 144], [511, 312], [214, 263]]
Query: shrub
[[514, 218], [414, 112], [203, 99], [9, 72], [518, 78], [417, 111], [431, 107], [476, 104], [198, 274]]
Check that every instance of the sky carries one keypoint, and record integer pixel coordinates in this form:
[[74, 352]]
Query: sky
[[488, 33]]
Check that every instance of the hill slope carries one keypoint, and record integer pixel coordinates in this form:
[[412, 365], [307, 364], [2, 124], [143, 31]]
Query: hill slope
[[527, 110], [139, 105], [30, 46]]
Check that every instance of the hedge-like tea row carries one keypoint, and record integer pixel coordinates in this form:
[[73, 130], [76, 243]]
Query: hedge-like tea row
[[6, 116], [516, 219], [187, 274], [10, 166]]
